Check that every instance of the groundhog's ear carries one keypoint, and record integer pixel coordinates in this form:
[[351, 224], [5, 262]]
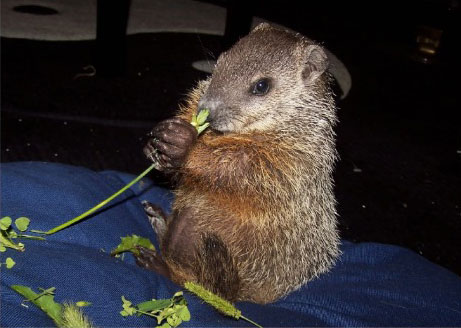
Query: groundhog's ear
[[261, 26], [316, 63]]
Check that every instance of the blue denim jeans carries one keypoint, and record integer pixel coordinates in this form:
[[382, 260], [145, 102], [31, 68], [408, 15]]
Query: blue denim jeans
[[371, 284]]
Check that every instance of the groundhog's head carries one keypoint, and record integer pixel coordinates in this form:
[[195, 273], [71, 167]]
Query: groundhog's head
[[264, 79]]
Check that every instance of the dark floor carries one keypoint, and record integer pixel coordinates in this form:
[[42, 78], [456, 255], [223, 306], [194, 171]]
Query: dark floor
[[399, 177]]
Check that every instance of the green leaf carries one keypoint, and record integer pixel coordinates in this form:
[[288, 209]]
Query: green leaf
[[183, 312], [178, 295], [162, 315], [202, 116], [123, 313], [44, 301], [2, 248], [127, 307], [6, 242], [154, 305], [9, 263], [5, 223], [129, 244], [199, 120], [202, 128], [168, 312], [144, 242], [129, 310], [22, 223], [174, 320], [194, 121], [126, 302], [82, 303], [165, 325]]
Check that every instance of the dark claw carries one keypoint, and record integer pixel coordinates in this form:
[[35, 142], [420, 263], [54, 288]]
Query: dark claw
[[146, 257], [150, 260], [157, 218]]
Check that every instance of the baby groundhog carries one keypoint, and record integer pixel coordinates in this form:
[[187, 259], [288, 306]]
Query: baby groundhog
[[254, 214]]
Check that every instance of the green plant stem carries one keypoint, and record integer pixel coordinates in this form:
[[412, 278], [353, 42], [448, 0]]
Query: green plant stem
[[30, 237], [199, 125], [101, 204], [250, 321], [146, 313]]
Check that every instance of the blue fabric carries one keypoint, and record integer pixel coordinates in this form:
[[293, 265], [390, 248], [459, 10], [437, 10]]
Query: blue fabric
[[371, 285]]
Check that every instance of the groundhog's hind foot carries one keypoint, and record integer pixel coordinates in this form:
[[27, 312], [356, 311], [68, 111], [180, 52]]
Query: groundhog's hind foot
[[156, 218], [151, 260]]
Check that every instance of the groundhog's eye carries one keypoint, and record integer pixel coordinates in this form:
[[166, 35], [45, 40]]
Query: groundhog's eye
[[261, 87]]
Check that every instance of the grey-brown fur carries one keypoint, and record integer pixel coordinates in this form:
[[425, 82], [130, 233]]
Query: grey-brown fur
[[255, 214]]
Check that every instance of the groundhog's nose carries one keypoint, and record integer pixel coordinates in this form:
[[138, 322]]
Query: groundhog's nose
[[212, 107]]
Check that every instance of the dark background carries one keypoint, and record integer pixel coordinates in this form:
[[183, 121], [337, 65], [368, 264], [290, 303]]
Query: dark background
[[398, 180]]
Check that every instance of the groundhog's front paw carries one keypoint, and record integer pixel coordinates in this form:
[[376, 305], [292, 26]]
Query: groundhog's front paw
[[170, 143]]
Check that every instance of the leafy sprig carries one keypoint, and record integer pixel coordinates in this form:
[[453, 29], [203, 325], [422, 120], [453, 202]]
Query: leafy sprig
[[130, 243], [199, 120], [168, 312], [8, 233]]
